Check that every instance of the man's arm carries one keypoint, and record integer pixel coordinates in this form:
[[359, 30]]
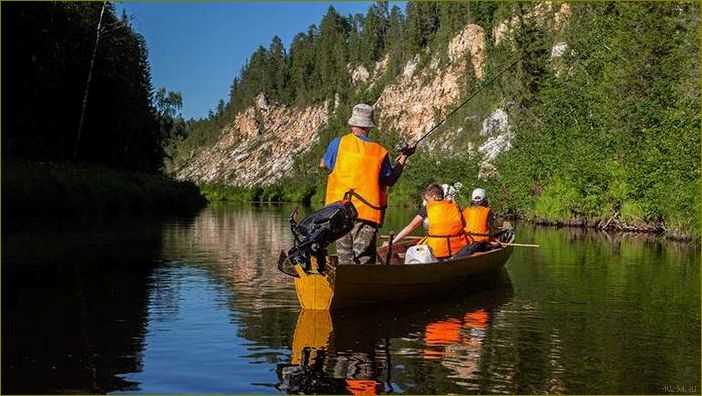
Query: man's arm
[[329, 159], [393, 174]]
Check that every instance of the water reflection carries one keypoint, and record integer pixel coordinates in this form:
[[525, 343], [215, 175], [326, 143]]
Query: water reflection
[[195, 304], [357, 352], [236, 245], [74, 301]]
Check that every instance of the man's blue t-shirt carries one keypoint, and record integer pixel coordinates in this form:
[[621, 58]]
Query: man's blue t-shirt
[[333, 149]]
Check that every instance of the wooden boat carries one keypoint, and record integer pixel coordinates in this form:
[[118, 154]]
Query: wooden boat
[[345, 286]]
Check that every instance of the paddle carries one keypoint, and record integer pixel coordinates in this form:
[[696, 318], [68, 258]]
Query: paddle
[[416, 238]]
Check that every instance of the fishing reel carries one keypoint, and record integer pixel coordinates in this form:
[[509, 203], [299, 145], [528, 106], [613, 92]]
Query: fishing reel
[[404, 148]]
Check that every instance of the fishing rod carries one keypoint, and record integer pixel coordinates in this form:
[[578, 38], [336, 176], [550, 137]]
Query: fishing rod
[[480, 89]]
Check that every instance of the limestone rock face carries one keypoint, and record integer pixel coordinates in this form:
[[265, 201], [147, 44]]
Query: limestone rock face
[[380, 66], [561, 17], [413, 104], [544, 14], [559, 49], [259, 146], [470, 40], [359, 75], [499, 138]]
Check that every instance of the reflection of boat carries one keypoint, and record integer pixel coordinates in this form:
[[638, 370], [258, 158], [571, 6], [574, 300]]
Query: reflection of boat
[[344, 286], [348, 352]]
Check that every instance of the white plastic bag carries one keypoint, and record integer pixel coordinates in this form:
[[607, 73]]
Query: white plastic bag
[[419, 254]]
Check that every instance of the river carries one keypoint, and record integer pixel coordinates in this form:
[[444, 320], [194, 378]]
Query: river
[[194, 304]]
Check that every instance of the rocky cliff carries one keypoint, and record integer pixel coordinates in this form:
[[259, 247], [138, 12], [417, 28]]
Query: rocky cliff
[[259, 145]]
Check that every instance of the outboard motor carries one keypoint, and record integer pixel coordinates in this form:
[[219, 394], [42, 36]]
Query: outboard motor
[[314, 233]]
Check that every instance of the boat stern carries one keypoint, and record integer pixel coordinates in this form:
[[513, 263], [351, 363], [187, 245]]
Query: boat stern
[[314, 290]]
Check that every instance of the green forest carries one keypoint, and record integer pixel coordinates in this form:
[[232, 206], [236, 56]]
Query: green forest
[[608, 134], [55, 157]]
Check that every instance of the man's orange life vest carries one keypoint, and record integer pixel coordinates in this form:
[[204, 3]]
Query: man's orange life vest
[[357, 168], [477, 226], [445, 235]]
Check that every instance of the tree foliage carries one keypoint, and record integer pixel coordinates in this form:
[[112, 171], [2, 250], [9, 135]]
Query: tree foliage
[[46, 67], [615, 133]]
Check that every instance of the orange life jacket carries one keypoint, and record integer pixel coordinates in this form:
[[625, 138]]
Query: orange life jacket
[[357, 168], [445, 235], [477, 226]]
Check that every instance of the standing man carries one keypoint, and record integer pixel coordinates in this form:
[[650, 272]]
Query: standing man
[[361, 167]]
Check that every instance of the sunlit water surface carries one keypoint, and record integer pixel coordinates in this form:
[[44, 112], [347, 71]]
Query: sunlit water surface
[[194, 304]]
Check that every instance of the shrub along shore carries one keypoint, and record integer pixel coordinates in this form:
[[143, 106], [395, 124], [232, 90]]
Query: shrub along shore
[[52, 187], [309, 194]]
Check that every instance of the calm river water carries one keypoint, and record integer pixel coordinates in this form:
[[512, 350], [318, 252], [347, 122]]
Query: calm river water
[[194, 304]]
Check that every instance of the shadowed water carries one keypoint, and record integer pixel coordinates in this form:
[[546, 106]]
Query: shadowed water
[[194, 304]]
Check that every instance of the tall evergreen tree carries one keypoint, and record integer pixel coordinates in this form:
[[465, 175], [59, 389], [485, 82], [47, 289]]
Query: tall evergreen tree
[[331, 53], [375, 27], [355, 45], [395, 40], [277, 70]]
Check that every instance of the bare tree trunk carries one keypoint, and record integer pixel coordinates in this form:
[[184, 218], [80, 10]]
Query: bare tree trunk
[[87, 84]]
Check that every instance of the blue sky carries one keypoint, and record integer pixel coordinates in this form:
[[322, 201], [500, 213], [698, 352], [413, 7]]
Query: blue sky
[[198, 48]]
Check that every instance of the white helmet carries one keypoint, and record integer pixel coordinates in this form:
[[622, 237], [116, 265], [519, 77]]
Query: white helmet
[[478, 195]]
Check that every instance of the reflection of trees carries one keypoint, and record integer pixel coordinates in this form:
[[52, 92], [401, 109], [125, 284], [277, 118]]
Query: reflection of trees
[[595, 311], [74, 303]]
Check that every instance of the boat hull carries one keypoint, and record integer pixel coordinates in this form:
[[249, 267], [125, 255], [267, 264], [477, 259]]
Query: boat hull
[[346, 286]]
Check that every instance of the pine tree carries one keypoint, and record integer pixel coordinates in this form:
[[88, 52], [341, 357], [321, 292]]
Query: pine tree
[[277, 70], [331, 53], [373, 33], [395, 40], [355, 48]]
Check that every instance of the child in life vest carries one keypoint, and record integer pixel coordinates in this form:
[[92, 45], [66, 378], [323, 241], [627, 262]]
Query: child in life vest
[[478, 217], [445, 234], [479, 223]]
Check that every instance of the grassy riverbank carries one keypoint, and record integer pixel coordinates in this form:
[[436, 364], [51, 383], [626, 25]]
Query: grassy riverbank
[[83, 188], [554, 208]]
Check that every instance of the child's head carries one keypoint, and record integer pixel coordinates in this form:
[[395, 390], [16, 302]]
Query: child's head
[[433, 192]]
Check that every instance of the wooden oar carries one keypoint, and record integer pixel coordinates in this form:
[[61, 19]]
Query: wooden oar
[[416, 238], [520, 245]]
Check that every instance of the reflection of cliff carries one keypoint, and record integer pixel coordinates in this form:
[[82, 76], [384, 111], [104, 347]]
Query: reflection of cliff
[[239, 247], [360, 352], [74, 303]]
